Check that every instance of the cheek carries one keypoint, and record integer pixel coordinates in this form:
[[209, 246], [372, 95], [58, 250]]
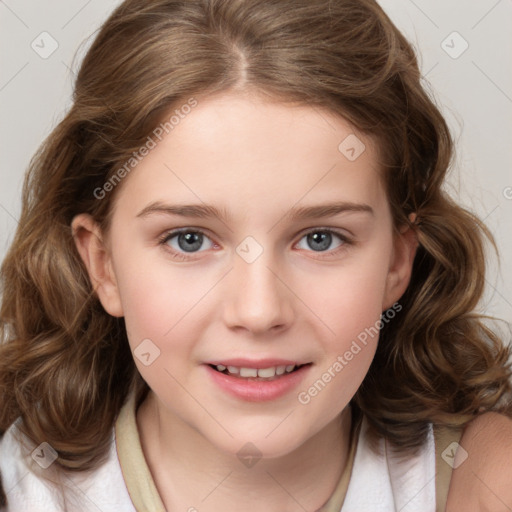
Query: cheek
[[154, 296], [351, 307], [167, 305], [159, 316], [350, 298], [352, 311]]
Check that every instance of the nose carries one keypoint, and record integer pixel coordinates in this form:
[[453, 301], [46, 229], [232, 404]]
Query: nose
[[256, 299]]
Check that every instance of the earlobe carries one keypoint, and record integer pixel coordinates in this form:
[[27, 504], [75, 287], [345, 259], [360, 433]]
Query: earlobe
[[97, 260], [399, 274]]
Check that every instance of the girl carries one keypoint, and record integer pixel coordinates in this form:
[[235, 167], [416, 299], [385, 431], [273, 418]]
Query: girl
[[238, 283]]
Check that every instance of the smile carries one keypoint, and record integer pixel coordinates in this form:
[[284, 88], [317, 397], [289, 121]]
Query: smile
[[260, 384], [268, 373]]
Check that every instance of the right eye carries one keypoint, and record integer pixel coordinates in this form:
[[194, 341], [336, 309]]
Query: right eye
[[183, 241]]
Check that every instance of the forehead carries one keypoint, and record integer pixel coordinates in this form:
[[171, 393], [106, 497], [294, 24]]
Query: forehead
[[249, 152]]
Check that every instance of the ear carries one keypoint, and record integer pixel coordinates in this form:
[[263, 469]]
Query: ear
[[400, 269], [96, 257]]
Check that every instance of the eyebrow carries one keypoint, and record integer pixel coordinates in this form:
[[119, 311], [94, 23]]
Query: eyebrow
[[296, 213]]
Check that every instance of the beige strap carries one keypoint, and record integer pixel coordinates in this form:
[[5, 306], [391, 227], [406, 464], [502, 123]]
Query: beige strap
[[136, 473], [443, 438], [139, 481], [145, 497], [337, 498]]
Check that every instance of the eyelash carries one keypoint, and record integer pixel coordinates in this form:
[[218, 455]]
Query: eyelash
[[346, 241]]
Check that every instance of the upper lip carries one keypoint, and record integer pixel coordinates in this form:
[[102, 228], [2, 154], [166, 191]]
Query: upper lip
[[253, 363]]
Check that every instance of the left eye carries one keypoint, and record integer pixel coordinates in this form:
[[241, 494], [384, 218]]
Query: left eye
[[321, 240], [187, 241]]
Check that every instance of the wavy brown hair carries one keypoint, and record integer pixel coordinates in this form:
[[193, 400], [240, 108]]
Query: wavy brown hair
[[65, 364]]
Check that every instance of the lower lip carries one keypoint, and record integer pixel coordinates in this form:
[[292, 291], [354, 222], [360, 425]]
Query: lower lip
[[258, 391]]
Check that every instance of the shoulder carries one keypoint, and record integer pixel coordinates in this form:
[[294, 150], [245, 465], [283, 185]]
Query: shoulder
[[23, 483], [32, 481], [12, 459], [13, 468], [483, 480]]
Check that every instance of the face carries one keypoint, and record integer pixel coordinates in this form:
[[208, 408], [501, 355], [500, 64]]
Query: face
[[253, 237]]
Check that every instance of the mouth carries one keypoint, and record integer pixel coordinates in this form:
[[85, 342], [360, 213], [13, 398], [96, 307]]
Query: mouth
[[257, 381], [263, 374]]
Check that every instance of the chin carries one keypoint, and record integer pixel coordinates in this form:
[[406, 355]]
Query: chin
[[244, 446]]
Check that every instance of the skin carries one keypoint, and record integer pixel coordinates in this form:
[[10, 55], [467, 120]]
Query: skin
[[255, 159], [482, 482]]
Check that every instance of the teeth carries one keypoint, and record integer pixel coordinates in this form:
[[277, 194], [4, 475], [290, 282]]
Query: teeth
[[280, 370], [267, 372], [248, 372], [264, 373]]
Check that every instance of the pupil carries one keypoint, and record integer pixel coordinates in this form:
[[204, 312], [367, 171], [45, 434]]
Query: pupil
[[322, 239], [190, 242]]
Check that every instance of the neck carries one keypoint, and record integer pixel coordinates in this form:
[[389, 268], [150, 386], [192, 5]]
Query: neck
[[191, 474]]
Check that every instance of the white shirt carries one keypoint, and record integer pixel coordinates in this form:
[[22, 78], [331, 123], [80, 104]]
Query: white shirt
[[382, 482]]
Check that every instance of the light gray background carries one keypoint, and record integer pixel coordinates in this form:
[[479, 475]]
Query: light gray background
[[474, 90]]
